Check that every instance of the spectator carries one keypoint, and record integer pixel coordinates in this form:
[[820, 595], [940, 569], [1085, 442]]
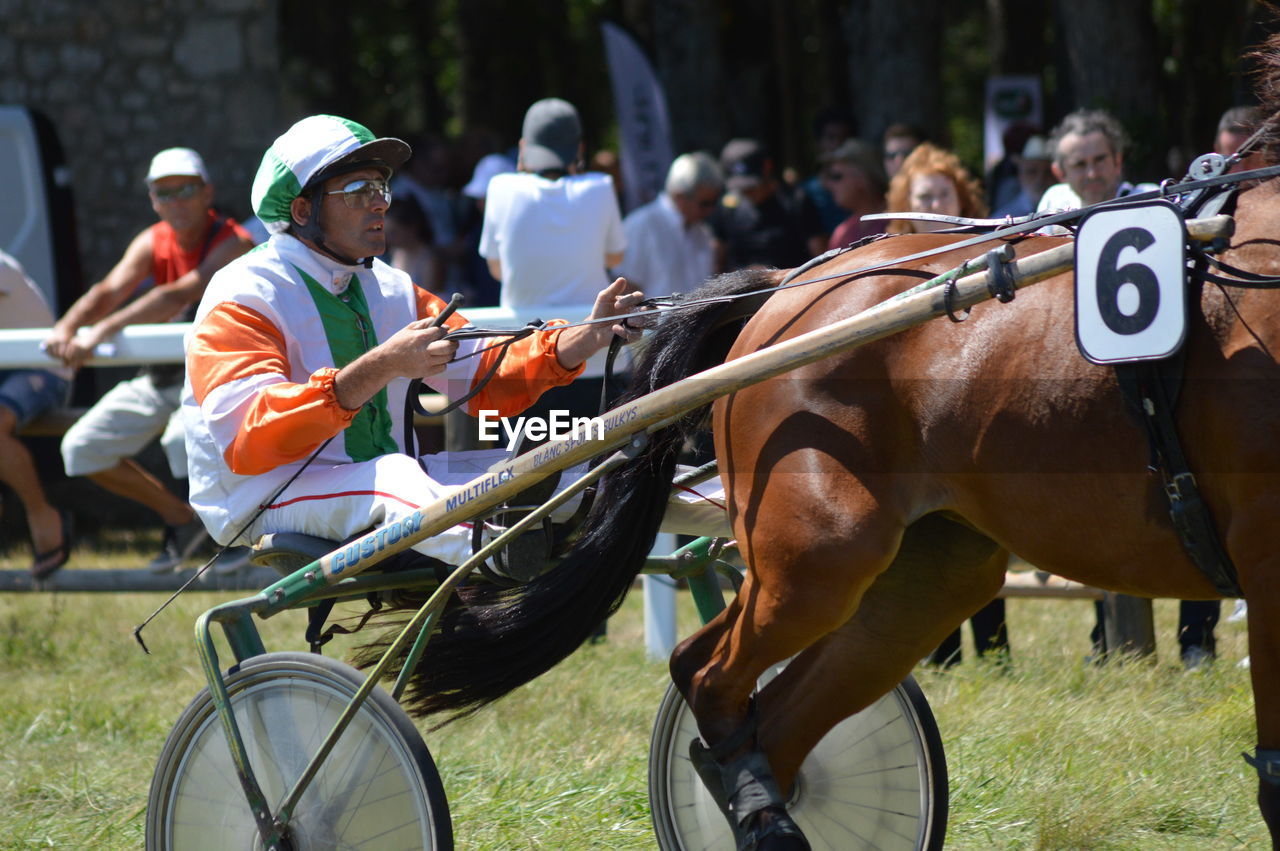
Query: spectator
[[426, 181], [551, 230], [932, 180], [481, 287], [857, 183], [1088, 158], [762, 221], [1197, 619], [272, 380], [669, 245], [1034, 177], [898, 142], [607, 162], [411, 246], [831, 127], [1235, 127], [24, 395], [180, 253], [1002, 179]]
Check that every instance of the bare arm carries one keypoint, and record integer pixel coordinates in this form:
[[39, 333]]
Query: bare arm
[[160, 304], [495, 268], [576, 344], [163, 303], [611, 261], [103, 297]]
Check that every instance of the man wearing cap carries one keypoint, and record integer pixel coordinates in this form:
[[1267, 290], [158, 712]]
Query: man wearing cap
[[551, 230], [302, 352], [179, 254], [762, 222]]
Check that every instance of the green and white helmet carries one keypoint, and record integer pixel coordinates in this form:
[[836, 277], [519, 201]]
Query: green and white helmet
[[312, 151]]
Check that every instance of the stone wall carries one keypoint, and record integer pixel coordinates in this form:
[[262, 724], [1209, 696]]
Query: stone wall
[[122, 79]]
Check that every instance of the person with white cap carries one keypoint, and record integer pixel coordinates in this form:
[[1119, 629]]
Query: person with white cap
[[179, 254], [302, 352]]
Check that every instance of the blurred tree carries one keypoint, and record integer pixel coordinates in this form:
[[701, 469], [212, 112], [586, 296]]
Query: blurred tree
[[895, 64], [764, 67]]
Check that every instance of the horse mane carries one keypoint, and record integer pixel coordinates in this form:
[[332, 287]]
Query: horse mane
[[492, 640], [1267, 89]]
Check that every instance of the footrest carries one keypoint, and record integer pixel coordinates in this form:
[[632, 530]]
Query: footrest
[[286, 552]]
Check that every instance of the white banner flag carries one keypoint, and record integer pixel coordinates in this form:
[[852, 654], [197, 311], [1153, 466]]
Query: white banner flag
[[644, 127]]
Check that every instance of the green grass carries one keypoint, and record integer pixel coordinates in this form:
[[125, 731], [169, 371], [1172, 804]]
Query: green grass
[[1049, 753]]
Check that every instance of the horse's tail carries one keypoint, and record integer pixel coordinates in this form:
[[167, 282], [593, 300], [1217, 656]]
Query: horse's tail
[[492, 639]]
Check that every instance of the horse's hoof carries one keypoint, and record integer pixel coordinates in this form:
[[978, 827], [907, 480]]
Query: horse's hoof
[[773, 829]]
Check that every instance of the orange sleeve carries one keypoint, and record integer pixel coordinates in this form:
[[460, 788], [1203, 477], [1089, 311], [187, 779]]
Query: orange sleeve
[[284, 421], [529, 369]]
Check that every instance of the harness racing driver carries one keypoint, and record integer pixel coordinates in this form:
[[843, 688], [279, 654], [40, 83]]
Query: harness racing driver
[[308, 344]]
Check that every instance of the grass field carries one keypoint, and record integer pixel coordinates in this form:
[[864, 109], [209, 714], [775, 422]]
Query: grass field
[[1049, 753]]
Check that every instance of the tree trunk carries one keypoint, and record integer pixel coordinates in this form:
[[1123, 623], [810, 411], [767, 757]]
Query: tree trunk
[[1113, 64], [1016, 34], [895, 53], [510, 55], [687, 55]]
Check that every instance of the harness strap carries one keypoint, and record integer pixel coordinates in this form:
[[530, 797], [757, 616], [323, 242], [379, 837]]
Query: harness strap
[[1151, 389], [1266, 763]]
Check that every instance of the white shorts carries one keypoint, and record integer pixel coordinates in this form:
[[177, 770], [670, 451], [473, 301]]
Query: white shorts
[[122, 423], [337, 502]]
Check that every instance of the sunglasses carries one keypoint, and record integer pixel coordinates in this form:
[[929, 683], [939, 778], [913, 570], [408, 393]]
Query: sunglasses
[[185, 192], [359, 194]]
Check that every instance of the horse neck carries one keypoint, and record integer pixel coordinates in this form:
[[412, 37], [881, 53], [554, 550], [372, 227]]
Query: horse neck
[[1242, 316]]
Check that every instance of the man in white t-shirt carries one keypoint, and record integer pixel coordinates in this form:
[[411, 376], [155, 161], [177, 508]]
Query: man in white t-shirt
[[669, 244], [551, 231]]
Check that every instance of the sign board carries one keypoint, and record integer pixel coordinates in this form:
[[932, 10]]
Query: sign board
[[1010, 100], [1130, 294]]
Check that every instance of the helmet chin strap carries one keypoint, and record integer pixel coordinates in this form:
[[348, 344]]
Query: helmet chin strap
[[314, 233]]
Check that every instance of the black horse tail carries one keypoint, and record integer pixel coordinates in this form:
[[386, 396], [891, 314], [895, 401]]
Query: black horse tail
[[491, 639]]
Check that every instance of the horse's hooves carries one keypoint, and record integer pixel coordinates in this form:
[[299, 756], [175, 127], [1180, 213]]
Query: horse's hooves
[[774, 830]]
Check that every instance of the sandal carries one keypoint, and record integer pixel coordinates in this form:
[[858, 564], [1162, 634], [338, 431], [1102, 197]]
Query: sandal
[[49, 562]]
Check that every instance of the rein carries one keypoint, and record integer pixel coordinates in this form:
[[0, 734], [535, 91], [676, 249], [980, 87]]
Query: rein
[[1014, 228]]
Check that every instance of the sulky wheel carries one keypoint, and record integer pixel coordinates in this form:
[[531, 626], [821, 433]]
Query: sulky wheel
[[878, 780], [378, 789]]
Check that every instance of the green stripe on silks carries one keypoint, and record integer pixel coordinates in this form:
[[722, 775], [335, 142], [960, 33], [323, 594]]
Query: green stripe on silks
[[349, 331]]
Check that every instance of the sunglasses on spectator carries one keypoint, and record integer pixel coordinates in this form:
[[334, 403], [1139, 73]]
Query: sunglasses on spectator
[[185, 192], [359, 194]]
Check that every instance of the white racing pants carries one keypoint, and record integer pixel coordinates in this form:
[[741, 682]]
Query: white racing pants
[[337, 502]]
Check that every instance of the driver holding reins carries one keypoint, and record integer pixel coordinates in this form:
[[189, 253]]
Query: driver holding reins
[[310, 338]]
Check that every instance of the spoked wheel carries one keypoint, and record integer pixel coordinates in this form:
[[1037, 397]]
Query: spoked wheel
[[877, 780], [378, 789]]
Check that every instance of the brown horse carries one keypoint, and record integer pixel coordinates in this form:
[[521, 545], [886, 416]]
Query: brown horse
[[875, 493]]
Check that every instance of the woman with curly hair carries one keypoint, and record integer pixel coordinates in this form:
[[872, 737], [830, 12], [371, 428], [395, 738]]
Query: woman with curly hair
[[932, 180]]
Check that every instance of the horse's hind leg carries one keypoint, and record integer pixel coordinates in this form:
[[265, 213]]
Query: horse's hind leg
[[802, 585], [943, 573]]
